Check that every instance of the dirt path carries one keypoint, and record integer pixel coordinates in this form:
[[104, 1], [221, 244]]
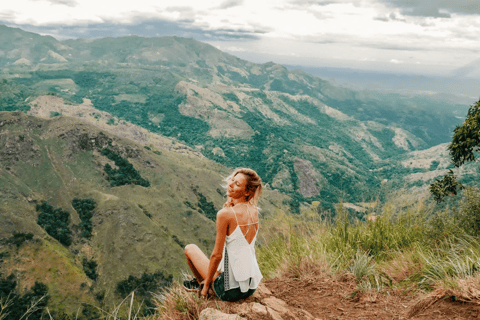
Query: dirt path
[[338, 298]]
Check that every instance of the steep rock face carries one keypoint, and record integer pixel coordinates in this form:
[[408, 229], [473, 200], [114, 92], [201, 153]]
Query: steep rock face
[[309, 180]]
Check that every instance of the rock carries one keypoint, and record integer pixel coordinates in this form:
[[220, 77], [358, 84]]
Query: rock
[[274, 314], [276, 304], [261, 292], [252, 310], [213, 314], [259, 309]]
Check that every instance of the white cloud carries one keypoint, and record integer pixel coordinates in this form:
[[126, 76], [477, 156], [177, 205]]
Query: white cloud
[[348, 30]]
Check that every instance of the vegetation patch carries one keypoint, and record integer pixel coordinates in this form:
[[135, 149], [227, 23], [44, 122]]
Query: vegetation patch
[[85, 209], [143, 288], [30, 305], [90, 268], [125, 174], [55, 222], [18, 238]]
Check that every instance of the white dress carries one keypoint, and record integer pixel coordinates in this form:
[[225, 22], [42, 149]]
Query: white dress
[[239, 262]]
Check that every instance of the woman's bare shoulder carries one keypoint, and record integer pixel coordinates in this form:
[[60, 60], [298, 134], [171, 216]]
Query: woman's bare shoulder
[[224, 213]]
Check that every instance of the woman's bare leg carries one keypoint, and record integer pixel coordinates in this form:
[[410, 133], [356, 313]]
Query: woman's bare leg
[[197, 261]]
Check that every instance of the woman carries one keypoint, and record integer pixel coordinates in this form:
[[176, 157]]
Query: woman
[[232, 270]]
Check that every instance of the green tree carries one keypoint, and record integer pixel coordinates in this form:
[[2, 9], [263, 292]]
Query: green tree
[[85, 208], [465, 144], [446, 186], [55, 222]]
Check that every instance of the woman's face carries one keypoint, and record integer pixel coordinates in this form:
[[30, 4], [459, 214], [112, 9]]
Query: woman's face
[[236, 186]]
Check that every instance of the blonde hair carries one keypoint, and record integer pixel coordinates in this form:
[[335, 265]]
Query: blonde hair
[[253, 184]]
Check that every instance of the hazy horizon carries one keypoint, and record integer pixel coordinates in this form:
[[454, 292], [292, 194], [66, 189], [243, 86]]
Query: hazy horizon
[[418, 37]]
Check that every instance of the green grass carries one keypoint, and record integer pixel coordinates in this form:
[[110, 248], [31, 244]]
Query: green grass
[[370, 251]]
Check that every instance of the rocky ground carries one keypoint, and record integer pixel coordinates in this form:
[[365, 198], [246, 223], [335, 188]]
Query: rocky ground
[[336, 298]]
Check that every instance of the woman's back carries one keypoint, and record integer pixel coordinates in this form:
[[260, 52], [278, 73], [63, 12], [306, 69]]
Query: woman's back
[[246, 219]]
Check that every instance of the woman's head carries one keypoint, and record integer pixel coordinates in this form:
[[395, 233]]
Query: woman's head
[[252, 182]]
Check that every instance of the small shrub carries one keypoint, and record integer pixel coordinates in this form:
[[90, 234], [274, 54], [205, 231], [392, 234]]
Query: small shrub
[[143, 288], [55, 222], [19, 238], [207, 207], [90, 268], [125, 174], [85, 208]]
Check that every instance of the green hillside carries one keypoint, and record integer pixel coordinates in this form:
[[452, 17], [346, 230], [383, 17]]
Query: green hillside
[[306, 138], [53, 168]]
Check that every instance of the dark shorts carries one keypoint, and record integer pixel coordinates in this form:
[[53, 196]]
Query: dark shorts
[[229, 295]]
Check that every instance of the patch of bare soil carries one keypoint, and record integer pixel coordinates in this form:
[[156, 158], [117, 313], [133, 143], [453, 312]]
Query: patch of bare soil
[[339, 298]]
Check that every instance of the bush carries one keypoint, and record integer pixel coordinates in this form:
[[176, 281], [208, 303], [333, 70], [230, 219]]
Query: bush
[[143, 288], [468, 215], [19, 238], [85, 208], [19, 306], [90, 268], [55, 222], [125, 174], [207, 207]]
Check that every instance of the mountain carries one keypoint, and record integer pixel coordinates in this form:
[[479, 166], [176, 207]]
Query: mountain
[[306, 137], [135, 230]]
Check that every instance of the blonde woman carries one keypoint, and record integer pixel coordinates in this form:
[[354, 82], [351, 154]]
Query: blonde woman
[[232, 270]]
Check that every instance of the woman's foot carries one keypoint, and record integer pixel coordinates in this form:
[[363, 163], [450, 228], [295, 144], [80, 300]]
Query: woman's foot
[[191, 285]]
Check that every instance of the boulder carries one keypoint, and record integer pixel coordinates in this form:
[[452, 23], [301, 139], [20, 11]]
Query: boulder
[[213, 314]]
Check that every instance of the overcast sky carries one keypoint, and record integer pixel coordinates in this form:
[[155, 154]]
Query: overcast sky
[[410, 36]]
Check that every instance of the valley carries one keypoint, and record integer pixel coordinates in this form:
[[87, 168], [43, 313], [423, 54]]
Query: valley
[[146, 129]]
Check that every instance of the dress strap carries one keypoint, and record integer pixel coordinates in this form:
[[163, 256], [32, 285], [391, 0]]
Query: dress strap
[[235, 215]]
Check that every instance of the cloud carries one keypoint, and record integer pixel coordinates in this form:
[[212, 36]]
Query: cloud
[[8, 15], [227, 4], [68, 3], [435, 8], [395, 61], [141, 26], [308, 3]]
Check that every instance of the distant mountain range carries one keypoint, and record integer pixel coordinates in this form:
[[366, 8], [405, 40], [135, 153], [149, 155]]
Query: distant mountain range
[[306, 137]]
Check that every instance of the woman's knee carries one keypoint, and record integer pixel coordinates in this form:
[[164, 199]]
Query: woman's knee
[[190, 248]]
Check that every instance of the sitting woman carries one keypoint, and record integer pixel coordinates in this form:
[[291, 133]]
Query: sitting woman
[[232, 270]]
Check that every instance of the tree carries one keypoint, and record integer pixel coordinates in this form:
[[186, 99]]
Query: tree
[[465, 143], [446, 186]]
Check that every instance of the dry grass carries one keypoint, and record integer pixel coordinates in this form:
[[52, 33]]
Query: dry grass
[[174, 303], [404, 266], [456, 289]]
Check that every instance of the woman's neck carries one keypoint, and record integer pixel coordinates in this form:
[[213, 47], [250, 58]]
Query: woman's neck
[[239, 201]]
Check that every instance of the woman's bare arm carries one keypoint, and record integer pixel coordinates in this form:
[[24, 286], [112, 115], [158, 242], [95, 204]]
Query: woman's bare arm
[[216, 257]]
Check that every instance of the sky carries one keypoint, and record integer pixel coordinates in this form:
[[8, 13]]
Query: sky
[[424, 37]]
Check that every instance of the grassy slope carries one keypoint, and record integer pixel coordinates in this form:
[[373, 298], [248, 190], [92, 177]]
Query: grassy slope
[[47, 164]]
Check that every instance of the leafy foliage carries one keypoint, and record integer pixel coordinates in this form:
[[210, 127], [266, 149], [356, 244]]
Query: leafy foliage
[[207, 207], [18, 238], [85, 208], [21, 304], [465, 144], [468, 215], [55, 222], [144, 287], [448, 185], [90, 268], [125, 174], [466, 138]]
